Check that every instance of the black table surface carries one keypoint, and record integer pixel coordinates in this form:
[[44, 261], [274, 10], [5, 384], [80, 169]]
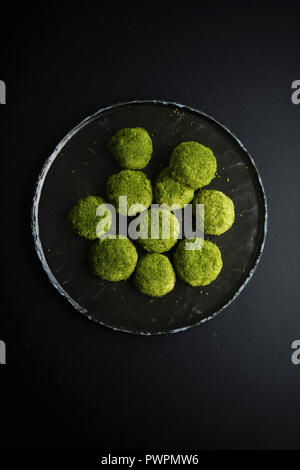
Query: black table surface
[[230, 383]]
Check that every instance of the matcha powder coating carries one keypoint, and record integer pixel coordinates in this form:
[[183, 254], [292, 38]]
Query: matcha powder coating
[[154, 275], [113, 259], [198, 267], [169, 191], [162, 229], [83, 217], [131, 147], [193, 164], [218, 211], [133, 184]]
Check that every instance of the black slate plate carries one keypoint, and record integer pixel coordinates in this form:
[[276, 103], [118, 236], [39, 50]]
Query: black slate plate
[[80, 164]]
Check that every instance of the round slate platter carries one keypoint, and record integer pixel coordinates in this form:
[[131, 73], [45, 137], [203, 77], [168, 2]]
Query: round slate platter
[[80, 165]]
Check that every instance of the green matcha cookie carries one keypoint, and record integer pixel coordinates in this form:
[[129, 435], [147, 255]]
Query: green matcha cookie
[[198, 267], [169, 191], [193, 164], [218, 211], [84, 220], [154, 275], [131, 147], [113, 259], [133, 184], [161, 224]]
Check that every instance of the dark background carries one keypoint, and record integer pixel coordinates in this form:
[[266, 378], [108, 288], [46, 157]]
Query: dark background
[[230, 383]]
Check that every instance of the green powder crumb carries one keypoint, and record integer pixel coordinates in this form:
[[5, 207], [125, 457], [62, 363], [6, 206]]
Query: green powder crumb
[[176, 112], [93, 151], [73, 171]]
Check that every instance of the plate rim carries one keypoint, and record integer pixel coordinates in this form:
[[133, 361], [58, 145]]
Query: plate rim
[[35, 211]]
